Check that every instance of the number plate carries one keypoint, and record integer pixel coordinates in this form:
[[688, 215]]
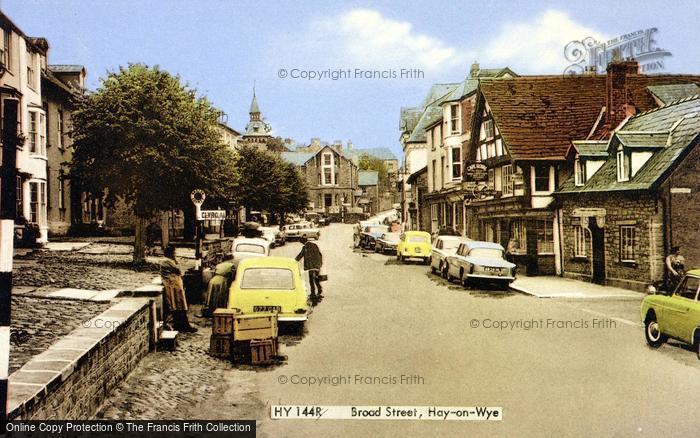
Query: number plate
[[266, 308], [491, 269]]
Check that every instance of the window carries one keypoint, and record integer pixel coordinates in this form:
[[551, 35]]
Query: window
[[579, 172], [5, 49], [456, 163], [59, 121], [434, 175], [34, 202], [459, 215], [454, 119], [542, 178], [488, 129], [42, 203], [31, 70], [492, 180], [628, 243], [518, 232], [42, 134], [545, 237], [580, 241], [267, 278], [507, 179], [622, 166], [442, 172], [33, 116], [689, 288], [327, 158], [20, 200], [327, 176], [61, 191]]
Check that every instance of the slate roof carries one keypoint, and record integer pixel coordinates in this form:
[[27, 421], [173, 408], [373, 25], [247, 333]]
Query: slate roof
[[66, 68], [681, 119], [297, 158], [469, 85], [381, 153], [431, 110], [642, 139], [367, 178], [591, 148], [539, 116], [409, 118], [669, 93]]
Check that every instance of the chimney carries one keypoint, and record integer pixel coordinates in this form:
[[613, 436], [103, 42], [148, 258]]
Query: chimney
[[349, 145], [474, 70], [618, 100], [338, 145]]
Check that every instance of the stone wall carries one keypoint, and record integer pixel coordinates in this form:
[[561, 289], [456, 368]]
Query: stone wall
[[644, 212], [75, 375]]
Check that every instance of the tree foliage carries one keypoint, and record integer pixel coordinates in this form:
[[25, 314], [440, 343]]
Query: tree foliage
[[369, 162], [267, 183], [149, 140]]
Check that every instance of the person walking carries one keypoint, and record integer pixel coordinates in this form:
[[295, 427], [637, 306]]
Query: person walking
[[675, 263], [174, 299], [313, 260]]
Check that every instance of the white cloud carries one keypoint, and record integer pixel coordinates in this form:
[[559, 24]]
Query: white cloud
[[536, 46]]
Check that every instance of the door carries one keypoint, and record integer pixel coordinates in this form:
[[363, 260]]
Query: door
[[598, 251], [679, 315]]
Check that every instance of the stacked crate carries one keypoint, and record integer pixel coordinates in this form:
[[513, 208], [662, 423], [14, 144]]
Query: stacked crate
[[244, 338]]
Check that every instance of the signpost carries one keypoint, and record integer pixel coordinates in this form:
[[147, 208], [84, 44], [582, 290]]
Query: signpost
[[212, 215], [197, 196]]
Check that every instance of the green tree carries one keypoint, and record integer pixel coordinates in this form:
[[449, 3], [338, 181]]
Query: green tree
[[149, 140], [266, 182], [369, 162], [276, 144]]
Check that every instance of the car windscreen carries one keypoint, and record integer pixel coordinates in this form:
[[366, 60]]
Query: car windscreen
[[450, 244], [249, 247], [267, 278], [486, 253], [418, 239], [376, 229], [392, 237]]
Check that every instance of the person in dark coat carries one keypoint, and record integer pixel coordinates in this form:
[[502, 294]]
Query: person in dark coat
[[174, 299], [313, 260]]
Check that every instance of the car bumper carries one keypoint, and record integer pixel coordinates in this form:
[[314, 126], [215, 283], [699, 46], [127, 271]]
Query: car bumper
[[292, 317], [490, 277]]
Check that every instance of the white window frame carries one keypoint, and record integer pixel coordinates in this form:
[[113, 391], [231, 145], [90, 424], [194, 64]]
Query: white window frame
[[545, 246], [33, 132], [580, 242], [454, 119], [34, 205], [579, 172], [330, 168], [623, 173], [456, 165], [628, 243], [533, 179], [507, 183]]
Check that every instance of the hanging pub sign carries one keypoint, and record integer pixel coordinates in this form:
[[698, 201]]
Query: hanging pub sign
[[475, 172]]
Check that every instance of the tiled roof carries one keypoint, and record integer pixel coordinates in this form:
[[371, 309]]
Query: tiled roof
[[539, 116], [469, 85], [669, 93], [642, 139], [381, 153], [297, 158], [681, 119], [66, 68], [591, 148], [367, 178]]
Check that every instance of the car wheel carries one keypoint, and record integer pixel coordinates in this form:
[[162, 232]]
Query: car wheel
[[443, 270], [426, 261], [652, 333]]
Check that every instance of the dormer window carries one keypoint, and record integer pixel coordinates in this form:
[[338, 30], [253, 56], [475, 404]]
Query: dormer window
[[623, 165], [579, 172]]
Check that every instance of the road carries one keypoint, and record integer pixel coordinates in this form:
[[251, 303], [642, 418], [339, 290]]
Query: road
[[381, 319]]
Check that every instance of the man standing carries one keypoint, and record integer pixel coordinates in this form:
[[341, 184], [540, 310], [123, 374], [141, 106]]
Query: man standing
[[675, 263], [174, 299], [312, 263]]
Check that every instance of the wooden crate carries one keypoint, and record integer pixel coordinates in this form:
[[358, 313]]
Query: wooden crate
[[255, 326], [220, 346], [222, 321], [263, 352]]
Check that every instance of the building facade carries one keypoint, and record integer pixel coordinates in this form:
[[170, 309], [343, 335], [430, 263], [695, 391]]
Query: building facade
[[257, 132]]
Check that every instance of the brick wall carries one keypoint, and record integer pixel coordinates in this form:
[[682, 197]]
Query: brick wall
[[75, 375], [643, 212]]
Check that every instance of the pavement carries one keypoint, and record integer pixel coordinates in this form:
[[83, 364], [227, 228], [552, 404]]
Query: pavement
[[558, 287], [395, 335]]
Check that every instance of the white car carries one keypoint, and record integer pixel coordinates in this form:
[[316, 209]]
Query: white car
[[245, 248], [480, 261], [443, 246], [269, 234], [302, 229]]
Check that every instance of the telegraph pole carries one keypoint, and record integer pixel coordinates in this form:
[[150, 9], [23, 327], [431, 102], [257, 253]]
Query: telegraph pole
[[8, 212]]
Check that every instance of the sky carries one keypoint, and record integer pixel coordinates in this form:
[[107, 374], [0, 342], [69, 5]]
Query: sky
[[225, 48]]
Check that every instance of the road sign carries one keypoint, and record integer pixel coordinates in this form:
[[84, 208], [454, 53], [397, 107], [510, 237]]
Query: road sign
[[212, 215]]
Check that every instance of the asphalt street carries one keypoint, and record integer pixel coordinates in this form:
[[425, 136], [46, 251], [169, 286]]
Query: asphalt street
[[391, 334]]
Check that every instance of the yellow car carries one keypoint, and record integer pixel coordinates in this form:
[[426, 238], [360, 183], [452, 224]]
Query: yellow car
[[414, 244], [270, 284]]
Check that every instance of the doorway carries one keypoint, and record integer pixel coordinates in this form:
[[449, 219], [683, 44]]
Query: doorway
[[597, 250]]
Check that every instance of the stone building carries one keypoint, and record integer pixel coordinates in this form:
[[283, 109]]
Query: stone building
[[368, 186], [61, 84], [619, 222], [331, 177], [418, 210]]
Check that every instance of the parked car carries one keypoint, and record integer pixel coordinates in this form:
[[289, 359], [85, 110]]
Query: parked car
[[302, 229], [274, 235], [674, 315], [480, 261], [269, 235], [387, 243], [270, 284], [245, 248], [370, 234], [312, 217], [414, 244], [323, 220], [443, 246], [357, 230]]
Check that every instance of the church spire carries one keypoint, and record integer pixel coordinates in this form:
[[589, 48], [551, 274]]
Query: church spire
[[254, 108]]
